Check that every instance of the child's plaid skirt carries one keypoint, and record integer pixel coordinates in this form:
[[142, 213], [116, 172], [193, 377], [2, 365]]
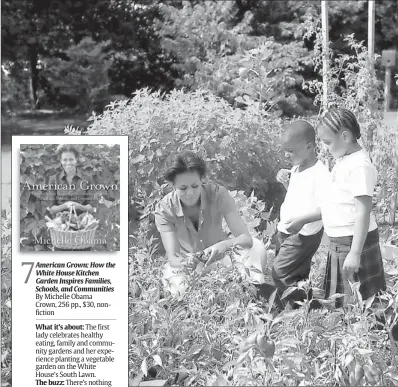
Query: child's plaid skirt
[[370, 274]]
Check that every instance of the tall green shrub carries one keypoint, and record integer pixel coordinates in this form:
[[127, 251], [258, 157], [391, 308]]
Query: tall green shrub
[[242, 150]]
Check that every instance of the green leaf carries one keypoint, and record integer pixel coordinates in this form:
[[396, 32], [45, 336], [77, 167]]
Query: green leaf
[[36, 193], [290, 342], [288, 292], [36, 231], [336, 295], [144, 367], [286, 316], [248, 64], [368, 303], [24, 197], [33, 224], [108, 203], [138, 159], [194, 351], [158, 360], [239, 99], [243, 355]]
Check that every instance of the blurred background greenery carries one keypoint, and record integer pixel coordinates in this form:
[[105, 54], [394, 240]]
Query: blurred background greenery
[[77, 55]]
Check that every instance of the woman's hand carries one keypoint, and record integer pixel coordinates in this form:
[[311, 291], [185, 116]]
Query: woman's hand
[[190, 264], [215, 252], [78, 206]]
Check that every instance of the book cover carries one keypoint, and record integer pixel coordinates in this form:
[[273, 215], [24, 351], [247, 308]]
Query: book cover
[[69, 197]]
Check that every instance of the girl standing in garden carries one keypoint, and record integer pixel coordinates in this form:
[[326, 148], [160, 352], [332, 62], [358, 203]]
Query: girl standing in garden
[[346, 211]]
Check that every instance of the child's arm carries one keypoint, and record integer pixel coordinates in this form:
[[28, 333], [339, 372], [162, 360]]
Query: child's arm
[[363, 206], [296, 224]]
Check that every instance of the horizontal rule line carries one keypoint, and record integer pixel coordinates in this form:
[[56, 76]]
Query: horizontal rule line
[[67, 319]]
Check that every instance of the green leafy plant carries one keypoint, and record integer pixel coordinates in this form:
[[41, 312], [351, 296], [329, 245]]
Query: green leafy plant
[[351, 80], [241, 151], [82, 80], [226, 57], [385, 158], [219, 334], [269, 75], [6, 344]]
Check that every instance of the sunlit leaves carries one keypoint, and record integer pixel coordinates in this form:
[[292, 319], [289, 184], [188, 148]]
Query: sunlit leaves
[[218, 332], [161, 126]]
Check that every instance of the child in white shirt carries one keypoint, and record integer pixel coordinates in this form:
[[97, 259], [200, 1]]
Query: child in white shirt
[[295, 249], [346, 211]]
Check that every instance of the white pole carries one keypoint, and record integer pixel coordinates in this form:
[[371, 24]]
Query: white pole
[[371, 55], [371, 32], [325, 51], [387, 89]]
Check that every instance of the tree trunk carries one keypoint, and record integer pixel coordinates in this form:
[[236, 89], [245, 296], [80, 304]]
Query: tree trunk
[[33, 57]]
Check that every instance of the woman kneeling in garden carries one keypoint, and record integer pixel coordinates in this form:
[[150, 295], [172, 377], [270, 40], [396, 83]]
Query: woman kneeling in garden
[[189, 220]]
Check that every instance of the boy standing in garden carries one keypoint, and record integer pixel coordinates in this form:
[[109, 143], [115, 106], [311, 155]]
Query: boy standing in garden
[[295, 248]]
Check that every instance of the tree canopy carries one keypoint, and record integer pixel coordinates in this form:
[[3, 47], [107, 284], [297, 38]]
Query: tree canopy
[[192, 44]]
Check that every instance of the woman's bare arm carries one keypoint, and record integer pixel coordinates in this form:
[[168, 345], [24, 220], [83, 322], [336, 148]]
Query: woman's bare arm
[[172, 247], [239, 230]]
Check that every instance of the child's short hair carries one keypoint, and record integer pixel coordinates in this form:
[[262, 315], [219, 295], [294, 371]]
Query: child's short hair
[[339, 119], [301, 129], [185, 162]]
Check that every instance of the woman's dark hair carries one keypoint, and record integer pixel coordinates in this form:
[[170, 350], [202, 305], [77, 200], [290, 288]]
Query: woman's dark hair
[[185, 162], [339, 119], [67, 148]]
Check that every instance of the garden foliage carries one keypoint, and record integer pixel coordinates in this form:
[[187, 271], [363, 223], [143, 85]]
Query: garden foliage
[[39, 162], [231, 61], [81, 80], [6, 298], [242, 149], [167, 43], [218, 334]]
